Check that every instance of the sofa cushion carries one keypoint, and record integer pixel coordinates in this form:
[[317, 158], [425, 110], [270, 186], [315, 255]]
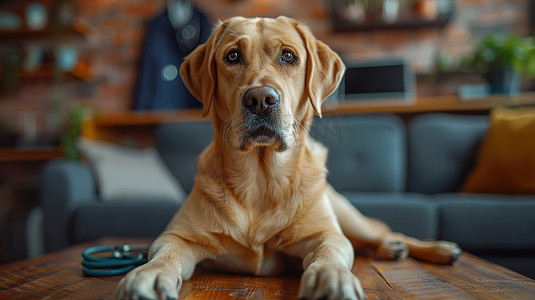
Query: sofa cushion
[[130, 173], [408, 213], [479, 221], [96, 219], [179, 145], [442, 150], [506, 160], [366, 153]]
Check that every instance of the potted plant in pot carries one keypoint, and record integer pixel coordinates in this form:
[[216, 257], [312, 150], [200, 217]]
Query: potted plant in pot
[[383, 10], [425, 9], [350, 10], [502, 60]]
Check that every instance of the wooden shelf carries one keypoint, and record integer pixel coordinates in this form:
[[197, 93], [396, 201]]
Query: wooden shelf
[[129, 118], [428, 104], [24, 33], [407, 19], [408, 23], [29, 154], [113, 126], [131, 125], [419, 105]]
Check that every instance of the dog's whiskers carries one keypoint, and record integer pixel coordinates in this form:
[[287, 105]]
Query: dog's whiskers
[[225, 132], [301, 124], [297, 128]]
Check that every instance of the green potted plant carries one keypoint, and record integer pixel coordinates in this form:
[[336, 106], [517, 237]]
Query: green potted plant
[[76, 116], [502, 60]]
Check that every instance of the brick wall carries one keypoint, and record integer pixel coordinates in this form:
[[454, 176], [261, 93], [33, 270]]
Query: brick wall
[[472, 18], [116, 30], [111, 46]]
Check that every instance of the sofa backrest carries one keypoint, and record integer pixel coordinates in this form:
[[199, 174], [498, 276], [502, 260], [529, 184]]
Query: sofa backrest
[[366, 152], [442, 150], [179, 145]]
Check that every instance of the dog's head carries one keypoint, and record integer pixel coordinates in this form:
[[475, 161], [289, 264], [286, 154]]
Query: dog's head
[[262, 79]]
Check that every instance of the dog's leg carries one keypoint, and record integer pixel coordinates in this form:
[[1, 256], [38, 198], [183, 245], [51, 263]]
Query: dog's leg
[[327, 261], [363, 232], [171, 261], [373, 234], [439, 252]]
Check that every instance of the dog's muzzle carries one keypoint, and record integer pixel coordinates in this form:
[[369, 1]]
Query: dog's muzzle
[[261, 124]]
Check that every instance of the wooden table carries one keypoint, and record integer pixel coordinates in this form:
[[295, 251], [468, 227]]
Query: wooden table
[[59, 276]]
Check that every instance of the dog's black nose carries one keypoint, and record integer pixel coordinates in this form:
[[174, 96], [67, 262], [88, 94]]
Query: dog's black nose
[[261, 100]]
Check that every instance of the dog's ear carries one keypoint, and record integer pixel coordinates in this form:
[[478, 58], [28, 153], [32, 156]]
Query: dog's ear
[[324, 69], [199, 70]]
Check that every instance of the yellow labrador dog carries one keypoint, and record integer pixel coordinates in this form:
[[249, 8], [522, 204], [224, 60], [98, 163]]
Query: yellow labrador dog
[[260, 195]]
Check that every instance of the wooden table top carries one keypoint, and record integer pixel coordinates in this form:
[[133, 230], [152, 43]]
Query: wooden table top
[[59, 276]]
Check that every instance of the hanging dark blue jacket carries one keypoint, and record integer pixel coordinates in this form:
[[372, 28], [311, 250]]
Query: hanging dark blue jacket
[[159, 86]]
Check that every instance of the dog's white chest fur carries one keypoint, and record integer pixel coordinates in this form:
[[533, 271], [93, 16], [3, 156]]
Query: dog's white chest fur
[[251, 246], [261, 260]]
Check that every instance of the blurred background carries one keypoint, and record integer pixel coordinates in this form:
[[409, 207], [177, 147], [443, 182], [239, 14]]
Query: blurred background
[[63, 59]]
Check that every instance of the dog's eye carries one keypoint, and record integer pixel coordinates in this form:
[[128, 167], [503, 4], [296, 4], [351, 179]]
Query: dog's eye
[[233, 57], [288, 57]]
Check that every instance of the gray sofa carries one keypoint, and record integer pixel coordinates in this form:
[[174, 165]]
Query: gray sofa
[[405, 174]]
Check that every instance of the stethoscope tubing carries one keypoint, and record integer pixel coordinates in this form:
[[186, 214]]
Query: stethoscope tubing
[[119, 263]]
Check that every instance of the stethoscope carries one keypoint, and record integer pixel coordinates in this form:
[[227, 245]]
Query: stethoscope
[[121, 261]]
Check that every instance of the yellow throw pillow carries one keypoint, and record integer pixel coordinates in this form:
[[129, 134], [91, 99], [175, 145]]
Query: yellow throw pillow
[[506, 160]]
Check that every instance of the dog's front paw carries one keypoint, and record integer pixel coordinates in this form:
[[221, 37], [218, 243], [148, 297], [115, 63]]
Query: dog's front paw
[[148, 282], [329, 281]]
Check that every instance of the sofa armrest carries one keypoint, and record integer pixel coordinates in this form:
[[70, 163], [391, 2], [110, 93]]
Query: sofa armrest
[[65, 184]]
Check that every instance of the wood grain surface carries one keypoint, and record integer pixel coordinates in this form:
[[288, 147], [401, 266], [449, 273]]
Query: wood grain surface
[[59, 276]]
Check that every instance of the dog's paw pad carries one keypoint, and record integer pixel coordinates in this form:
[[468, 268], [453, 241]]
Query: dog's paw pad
[[454, 255], [445, 253], [392, 250]]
